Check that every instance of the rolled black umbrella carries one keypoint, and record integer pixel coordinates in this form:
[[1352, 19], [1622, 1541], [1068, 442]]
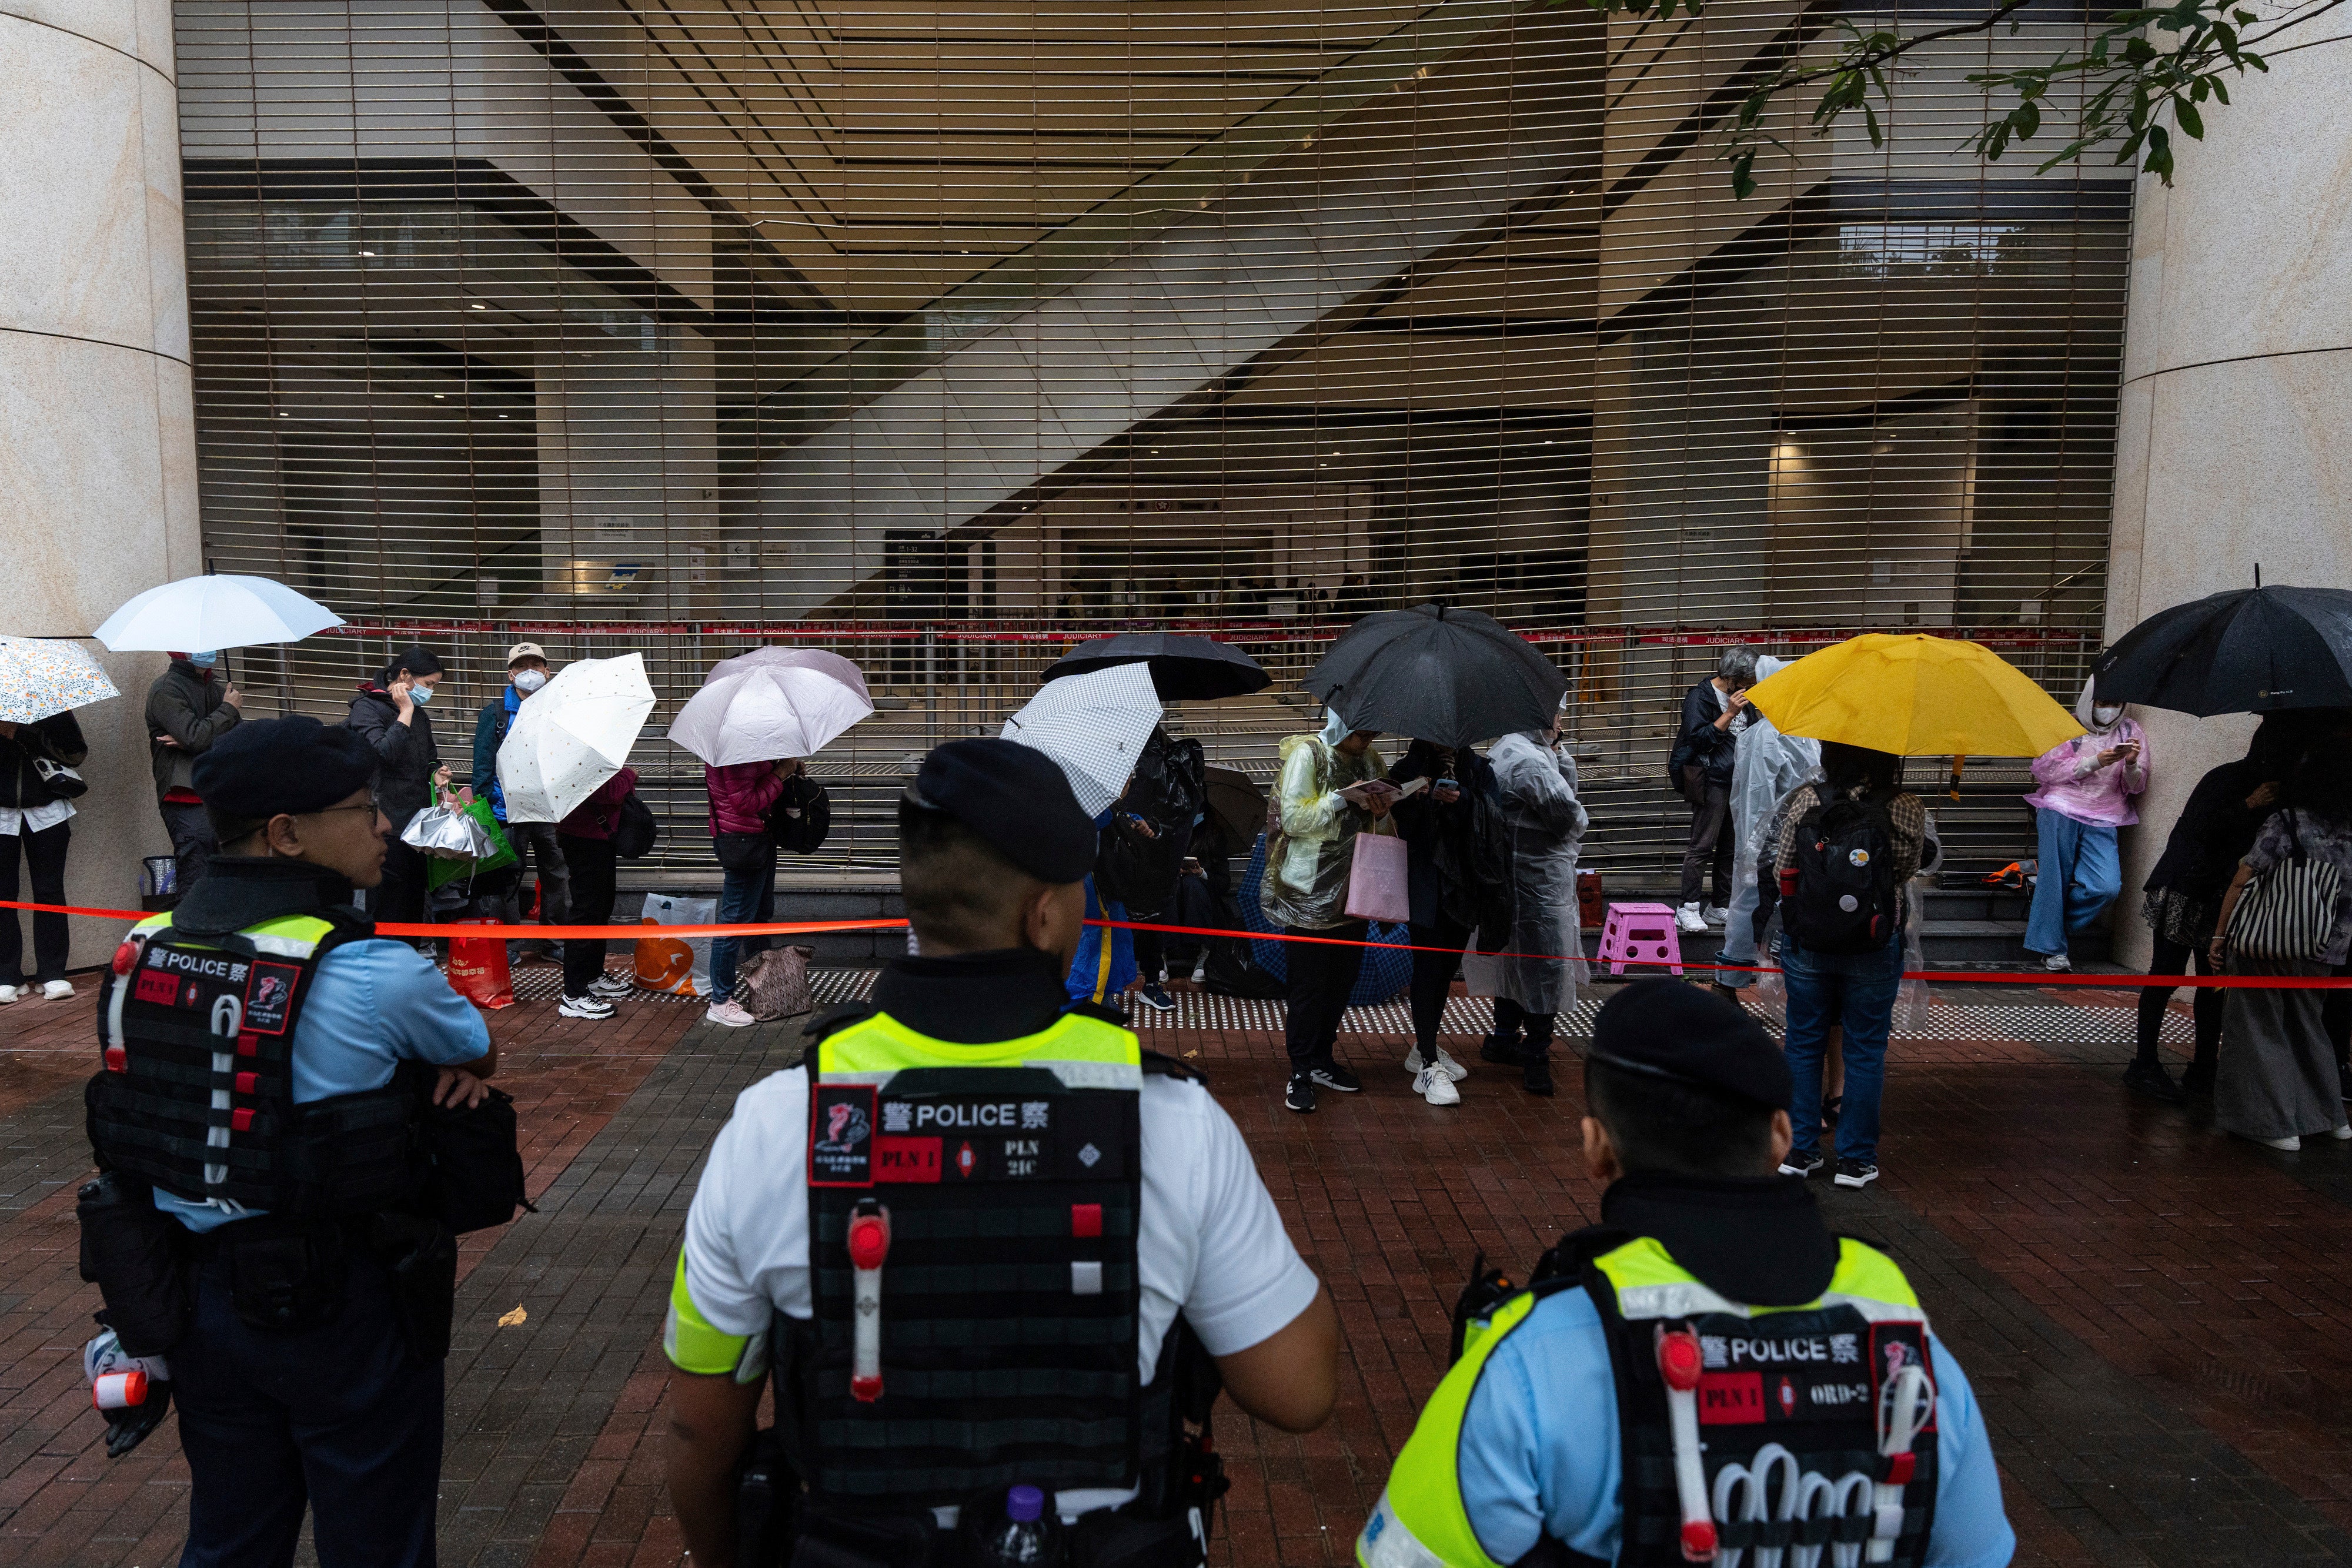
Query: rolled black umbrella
[[1183, 669], [1450, 676], [2250, 650]]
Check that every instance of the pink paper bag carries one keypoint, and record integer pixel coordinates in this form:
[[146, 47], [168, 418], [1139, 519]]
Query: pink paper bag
[[1376, 880]]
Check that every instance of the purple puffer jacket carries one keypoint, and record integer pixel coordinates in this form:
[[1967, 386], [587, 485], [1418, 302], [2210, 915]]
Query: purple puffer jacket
[[740, 795]]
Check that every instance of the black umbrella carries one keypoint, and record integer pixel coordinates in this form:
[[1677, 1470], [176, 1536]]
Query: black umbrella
[[2251, 650], [1183, 669], [1449, 676], [1237, 806]]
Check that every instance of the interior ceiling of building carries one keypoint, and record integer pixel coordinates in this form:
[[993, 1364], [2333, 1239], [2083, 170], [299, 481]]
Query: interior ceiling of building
[[888, 151]]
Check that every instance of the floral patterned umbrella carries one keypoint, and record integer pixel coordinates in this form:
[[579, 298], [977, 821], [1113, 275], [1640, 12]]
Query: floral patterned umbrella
[[44, 675]]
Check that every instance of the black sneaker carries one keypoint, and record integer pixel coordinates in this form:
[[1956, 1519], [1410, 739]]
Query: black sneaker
[[1856, 1174], [1534, 1076], [1300, 1095], [1154, 995], [1331, 1075], [1802, 1163], [2150, 1081], [1504, 1051]]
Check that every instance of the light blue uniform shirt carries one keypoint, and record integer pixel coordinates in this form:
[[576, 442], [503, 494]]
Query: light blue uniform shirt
[[372, 1006], [1541, 1448]]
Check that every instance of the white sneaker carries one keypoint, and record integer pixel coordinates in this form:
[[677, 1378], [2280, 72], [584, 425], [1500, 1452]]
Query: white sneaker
[[1444, 1063], [2285, 1146], [731, 1013], [585, 1008], [611, 987], [56, 990], [2341, 1135], [1716, 915], [1689, 918], [12, 993], [1432, 1084], [2058, 963]]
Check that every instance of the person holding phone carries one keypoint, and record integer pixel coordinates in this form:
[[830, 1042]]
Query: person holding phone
[[389, 715], [1330, 789], [2086, 794]]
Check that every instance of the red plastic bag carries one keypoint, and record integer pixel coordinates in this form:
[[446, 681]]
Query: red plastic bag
[[478, 968]]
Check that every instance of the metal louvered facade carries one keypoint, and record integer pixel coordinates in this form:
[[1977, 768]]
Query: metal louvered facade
[[944, 334]]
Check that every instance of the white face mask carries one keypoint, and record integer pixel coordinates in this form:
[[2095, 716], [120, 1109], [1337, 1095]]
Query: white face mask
[[2103, 716], [529, 681]]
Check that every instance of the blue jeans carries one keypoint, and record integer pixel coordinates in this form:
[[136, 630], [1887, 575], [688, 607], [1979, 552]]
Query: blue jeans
[[1739, 937], [2081, 874], [1858, 990], [747, 898]]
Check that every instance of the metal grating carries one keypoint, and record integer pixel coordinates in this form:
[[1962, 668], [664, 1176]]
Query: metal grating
[[945, 335]]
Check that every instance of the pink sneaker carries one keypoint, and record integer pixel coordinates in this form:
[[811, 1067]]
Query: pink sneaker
[[731, 1013]]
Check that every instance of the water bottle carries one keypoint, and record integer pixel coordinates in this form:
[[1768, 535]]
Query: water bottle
[[1028, 1536]]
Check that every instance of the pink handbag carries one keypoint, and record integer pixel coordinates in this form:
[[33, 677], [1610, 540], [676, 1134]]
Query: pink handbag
[[1376, 880]]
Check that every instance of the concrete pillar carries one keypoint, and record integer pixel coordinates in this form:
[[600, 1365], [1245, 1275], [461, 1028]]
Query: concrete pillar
[[2237, 373], [98, 458]]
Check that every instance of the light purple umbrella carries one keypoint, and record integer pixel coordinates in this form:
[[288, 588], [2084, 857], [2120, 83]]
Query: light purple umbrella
[[772, 703]]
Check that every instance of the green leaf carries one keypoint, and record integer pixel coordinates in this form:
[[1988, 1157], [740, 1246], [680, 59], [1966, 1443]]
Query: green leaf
[[2185, 114], [2027, 119], [1743, 178]]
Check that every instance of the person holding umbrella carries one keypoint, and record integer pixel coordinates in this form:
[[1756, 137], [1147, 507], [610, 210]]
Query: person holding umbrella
[[35, 821], [189, 707], [2086, 789], [533, 842], [1330, 789], [2212, 834], [389, 715], [1457, 883]]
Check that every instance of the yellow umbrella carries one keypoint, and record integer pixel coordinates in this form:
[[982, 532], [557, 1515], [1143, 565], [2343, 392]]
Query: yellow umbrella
[[1916, 696]]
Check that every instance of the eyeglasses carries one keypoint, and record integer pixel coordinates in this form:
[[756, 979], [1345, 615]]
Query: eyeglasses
[[374, 808]]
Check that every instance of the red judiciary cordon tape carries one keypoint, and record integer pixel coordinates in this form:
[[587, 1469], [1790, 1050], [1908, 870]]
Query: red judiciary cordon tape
[[462, 931]]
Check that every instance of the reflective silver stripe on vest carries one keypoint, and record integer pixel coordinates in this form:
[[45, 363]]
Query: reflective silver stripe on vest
[[1689, 1299], [1387, 1543], [280, 947], [1073, 1074]]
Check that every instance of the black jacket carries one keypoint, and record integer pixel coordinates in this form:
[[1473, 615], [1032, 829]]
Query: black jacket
[[2213, 833], [185, 705], [56, 738], [1698, 741], [407, 756], [1457, 857]]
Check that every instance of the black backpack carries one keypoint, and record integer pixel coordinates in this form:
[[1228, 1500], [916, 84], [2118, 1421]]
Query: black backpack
[[636, 832], [1841, 897]]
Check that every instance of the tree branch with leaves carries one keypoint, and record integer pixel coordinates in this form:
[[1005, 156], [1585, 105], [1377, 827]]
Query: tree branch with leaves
[[2142, 74]]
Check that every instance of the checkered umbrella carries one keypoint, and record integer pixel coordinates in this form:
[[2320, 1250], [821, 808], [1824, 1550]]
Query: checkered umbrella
[[1094, 726], [43, 675]]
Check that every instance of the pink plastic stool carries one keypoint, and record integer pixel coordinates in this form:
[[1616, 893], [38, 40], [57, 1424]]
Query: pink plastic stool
[[1643, 934]]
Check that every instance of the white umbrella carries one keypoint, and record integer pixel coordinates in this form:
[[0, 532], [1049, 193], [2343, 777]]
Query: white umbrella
[[204, 613], [40, 676], [772, 703], [572, 734], [1095, 725]]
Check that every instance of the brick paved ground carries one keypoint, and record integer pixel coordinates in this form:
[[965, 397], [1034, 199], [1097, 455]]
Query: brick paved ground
[[2153, 1314]]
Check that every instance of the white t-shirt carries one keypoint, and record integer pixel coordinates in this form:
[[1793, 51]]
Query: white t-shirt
[[1209, 1240]]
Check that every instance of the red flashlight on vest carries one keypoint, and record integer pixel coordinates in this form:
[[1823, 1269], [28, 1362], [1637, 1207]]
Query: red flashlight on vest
[[870, 1246]]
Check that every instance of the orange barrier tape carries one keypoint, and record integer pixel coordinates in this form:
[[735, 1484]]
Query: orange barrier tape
[[466, 931]]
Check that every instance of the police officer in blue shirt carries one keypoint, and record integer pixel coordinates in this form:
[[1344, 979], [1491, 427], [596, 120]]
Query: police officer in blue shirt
[[1708, 1375], [267, 1064]]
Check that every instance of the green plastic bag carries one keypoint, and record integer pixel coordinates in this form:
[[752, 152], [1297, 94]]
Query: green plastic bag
[[439, 872]]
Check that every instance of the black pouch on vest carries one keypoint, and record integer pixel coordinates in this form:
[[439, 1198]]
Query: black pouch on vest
[[1109, 1538], [767, 1495], [478, 1180], [881, 1541], [422, 1258], [132, 1252], [286, 1276]]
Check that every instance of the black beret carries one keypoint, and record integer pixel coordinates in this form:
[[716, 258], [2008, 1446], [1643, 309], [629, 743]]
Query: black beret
[[1017, 797], [1666, 1029], [266, 765]]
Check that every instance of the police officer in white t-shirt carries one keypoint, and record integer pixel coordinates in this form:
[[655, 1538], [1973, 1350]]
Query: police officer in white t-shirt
[[1038, 1251]]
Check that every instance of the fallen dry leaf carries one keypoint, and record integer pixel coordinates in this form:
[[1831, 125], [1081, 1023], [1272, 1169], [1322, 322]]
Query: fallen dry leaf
[[514, 1320]]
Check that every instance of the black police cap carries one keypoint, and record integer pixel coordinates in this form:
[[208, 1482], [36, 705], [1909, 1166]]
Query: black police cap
[[1664, 1028], [1014, 797], [266, 765]]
